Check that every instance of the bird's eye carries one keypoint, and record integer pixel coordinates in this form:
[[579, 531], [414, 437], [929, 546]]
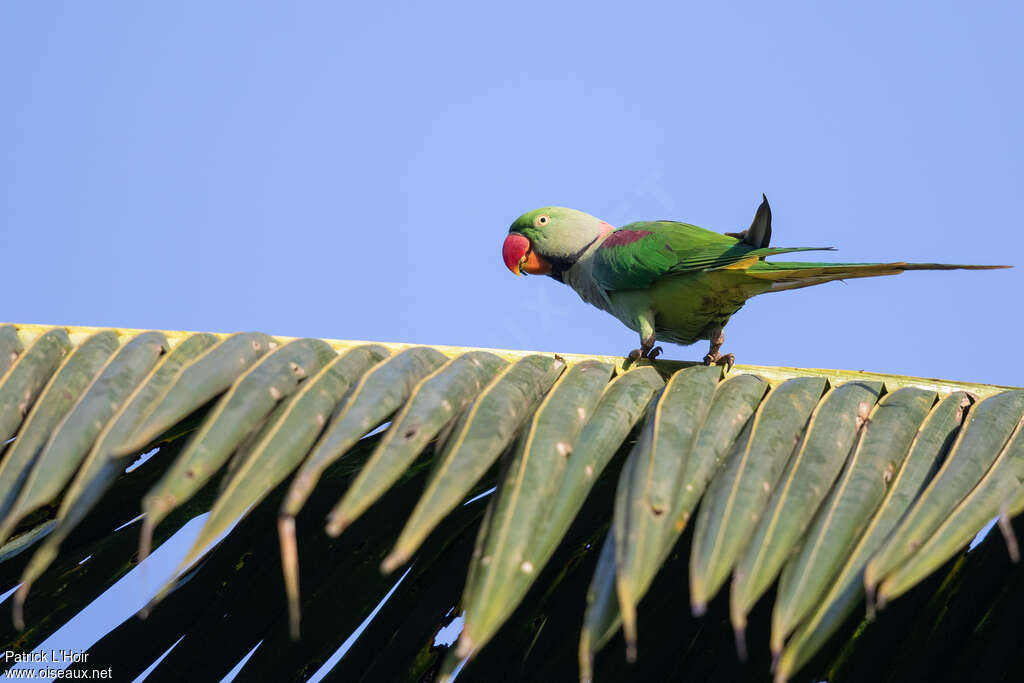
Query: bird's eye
[[542, 220]]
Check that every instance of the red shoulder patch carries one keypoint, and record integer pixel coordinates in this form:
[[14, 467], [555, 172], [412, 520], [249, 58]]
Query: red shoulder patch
[[623, 237]]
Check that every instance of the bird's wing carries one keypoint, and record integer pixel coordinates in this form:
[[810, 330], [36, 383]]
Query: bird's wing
[[636, 255]]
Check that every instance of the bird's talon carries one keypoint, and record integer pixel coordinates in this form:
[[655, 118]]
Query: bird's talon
[[709, 359], [653, 353], [728, 360]]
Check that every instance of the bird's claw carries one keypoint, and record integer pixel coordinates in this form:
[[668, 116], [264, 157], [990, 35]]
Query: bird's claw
[[648, 354], [726, 359]]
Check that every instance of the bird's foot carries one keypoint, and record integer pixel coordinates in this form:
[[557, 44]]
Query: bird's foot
[[726, 359], [649, 353]]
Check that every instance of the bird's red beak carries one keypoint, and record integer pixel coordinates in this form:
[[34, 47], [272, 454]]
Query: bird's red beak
[[519, 256]]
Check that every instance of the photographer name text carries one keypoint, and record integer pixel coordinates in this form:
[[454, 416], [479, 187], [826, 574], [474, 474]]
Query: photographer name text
[[46, 656]]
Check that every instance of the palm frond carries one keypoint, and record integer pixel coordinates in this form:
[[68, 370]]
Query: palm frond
[[825, 484]]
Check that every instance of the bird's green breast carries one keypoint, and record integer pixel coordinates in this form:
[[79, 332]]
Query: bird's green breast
[[687, 306]]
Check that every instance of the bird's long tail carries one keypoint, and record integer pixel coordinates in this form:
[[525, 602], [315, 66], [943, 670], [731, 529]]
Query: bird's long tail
[[783, 276]]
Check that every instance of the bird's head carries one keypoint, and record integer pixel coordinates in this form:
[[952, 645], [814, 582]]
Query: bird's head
[[549, 241]]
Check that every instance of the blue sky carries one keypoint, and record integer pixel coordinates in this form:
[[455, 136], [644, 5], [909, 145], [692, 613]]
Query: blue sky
[[349, 170]]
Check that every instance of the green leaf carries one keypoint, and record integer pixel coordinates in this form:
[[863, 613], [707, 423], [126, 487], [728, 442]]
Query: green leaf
[[985, 431], [737, 495], [847, 588], [237, 414], [61, 393], [280, 447], [650, 483], [601, 618], [148, 395], [622, 405], [23, 542], [1013, 506], [880, 452], [735, 400], [483, 432], [808, 477], [72, 438], [199, 382], [977, 508], [436, 401], [10, 347], [508, 563], [378, 395], [99, 470], [21, 384]]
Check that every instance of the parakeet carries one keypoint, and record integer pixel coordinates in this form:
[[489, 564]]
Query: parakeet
[[671, 281]]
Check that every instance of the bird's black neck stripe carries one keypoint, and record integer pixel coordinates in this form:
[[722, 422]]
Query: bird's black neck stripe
[[560, 265]]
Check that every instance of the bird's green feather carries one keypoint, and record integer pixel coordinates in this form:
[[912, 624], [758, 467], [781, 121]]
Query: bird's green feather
[[636, 255]]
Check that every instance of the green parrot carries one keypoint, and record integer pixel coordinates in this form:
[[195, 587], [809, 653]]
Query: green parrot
[[671, 281]]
